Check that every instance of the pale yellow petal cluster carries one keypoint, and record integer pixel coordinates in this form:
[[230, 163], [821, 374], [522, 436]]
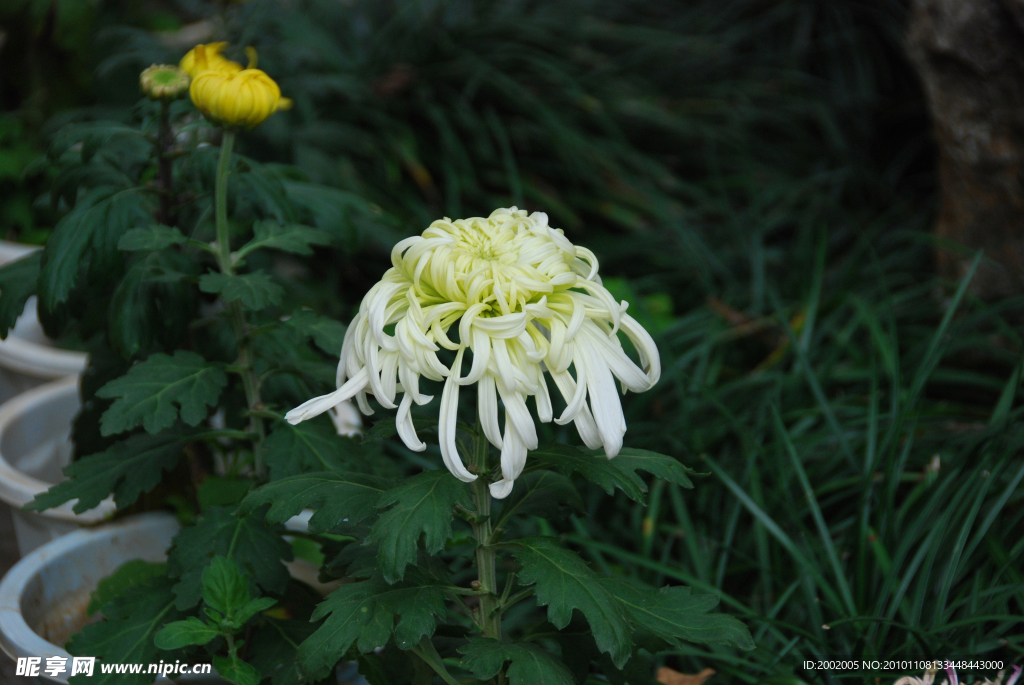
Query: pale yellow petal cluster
[[515, 301]]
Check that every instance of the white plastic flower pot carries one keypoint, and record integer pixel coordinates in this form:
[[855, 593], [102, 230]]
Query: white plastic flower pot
[[43, 598], [35, 446], [27, 356]]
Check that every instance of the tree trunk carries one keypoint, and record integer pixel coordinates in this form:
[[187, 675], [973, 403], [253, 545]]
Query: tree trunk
[[970, 56]]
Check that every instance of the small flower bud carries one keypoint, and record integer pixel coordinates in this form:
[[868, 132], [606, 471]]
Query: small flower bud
[[164, 82], [243, 99], [208, 58]]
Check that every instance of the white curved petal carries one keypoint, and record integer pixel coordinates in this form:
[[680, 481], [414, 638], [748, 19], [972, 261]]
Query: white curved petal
[[481, 356], [318, 405], [346, 419], [604, 398], [645, 347], [543, 400], [513, 460], [406, 429], [501, 489], [519, 415], [447, 422], [487, 409]]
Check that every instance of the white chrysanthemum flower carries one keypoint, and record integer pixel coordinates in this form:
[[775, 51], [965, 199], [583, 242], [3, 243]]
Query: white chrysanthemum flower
[[525, 301]]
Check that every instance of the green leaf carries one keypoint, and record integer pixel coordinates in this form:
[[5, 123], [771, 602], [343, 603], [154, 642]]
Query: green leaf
[[128, 575], [273, 648], [129, 468], [225, 589], [17, 284], [619, 472], [308, 446], [236, 671], [542, 493], [71, 238], [255, 291], [384, 428], [365, 614], [335, 496], [675, 615], [148, 393], [292, 238], [256, 548], [221, 491], [126, 634], [150, 238], [251, 608], [326, 333], [152, 303], [185, 633], [564, 583], [419, 505], [530, 665]]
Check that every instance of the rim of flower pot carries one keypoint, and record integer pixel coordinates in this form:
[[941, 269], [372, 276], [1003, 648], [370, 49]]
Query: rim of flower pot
[[26, 356], [17, 488], [17, 638]]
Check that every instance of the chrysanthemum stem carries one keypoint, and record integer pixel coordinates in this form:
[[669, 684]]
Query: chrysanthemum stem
[[250, 383], [164, 169], [490, 617]]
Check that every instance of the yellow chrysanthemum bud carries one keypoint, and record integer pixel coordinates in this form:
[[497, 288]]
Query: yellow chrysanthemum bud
[[241, 99], [163, 82], [208, 58]]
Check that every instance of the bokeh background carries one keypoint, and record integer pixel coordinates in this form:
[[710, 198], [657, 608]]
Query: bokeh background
[[774, 186]]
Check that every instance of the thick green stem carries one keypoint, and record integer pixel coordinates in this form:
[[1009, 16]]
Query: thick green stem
[[221, 203], [490, 617], [250, 383], [165, 177]]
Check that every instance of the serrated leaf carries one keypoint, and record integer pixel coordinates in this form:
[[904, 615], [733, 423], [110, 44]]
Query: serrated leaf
[[564, 582], [421, 505], [619, 472], [326, 333], [150, 238], [364, 614], [185, 633], [159, 390], [675, 615], [354, 561], [308, 446], [71, 238], [251, 608], [128, 575], [17, 284], [256, 548], [272, 650], [126, 634], [542, 493], [531, 664], [292, 238], [236, 671], [335, 496], [225, 589], [255, 291], [152, 303], [129, 468]]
